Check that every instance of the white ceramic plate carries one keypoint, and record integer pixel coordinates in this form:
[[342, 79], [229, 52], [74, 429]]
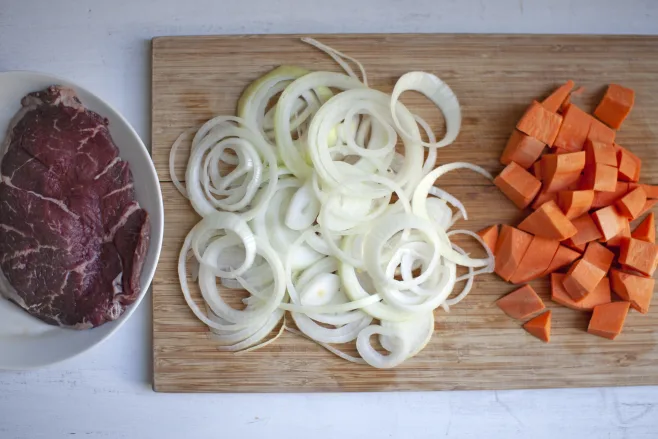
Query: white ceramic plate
[[26, 342]]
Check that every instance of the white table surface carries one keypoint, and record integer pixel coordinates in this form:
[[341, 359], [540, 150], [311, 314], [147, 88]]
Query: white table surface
[[104, 45]]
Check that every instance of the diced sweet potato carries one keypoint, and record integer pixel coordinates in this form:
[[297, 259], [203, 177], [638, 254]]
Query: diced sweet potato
[[580, 248], [542, 198], [651, 191], [599, 296], [615, 105], [603, 199], [628, 165], [598, 177], [648, 206], [637, 290], [510, 249], [599, 132], [624, 232], [521, 303], [548, 221], [581, 279], [609, 222], [587, 231], [637, 255], [540, 326], [558, 97], [631, 204], [575, 203], [490, 235], [574, 129], [518, 185], [521, 149], [599, 256], [600, 153], [536, 170], [536, 260], [608, 319], [561, 170], [646, 230], [563, 257], [540, 123]]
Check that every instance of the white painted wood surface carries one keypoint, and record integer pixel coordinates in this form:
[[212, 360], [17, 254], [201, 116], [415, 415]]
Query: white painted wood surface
[[104, 45]]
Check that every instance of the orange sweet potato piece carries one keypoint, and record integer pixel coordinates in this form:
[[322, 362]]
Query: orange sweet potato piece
[[625, 232], [637, 290], [561, 170], [540, 326], [599, 256], [536, 170], [536, 260], [581, 279], [563, 257], [651, 191], [575, 203], [608, 319], [600, 295], [646, 230], [574, 129], [601, 153], [510, 249], [549, 222], [540, 123], [542, 198], [557, 98], [598, 177], [521, 303], [518, 185], [609, 222], [631, 204], [587, 230], [603, 199], [490, 235], [615, 105], [629, 165], [521, 149], [580, 248], [648, 206], [637, 255], [599, 132]]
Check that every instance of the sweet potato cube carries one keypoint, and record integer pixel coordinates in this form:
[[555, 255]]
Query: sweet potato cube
[[609, 222], [600, 153], [625, 232], [628, 165], [540, 123], [555, 101], [581, 279], [575, 203], [598, 177], [563, 257], [521, 303], [540, 326], [490, 236], [587, 231], [637, 290], [536, 260], [574, 129], [598, 255], [603, 199], [615, 105], [631, 204], [608, 319], [521, 149], [600, 295], [548, 221], [518, 185], [637, 255], [510, 249], [646, 230], [599, 132]]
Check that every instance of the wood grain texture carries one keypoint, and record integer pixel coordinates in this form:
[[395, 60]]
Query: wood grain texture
[[475, 346]]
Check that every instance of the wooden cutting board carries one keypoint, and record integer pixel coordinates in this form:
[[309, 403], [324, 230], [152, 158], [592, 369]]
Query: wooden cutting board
[[475, 346]]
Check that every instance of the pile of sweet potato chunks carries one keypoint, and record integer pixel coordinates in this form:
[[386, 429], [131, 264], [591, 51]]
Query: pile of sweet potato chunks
[[584, 192]]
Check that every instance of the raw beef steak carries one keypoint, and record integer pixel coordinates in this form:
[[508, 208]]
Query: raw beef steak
[[72, 236]]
